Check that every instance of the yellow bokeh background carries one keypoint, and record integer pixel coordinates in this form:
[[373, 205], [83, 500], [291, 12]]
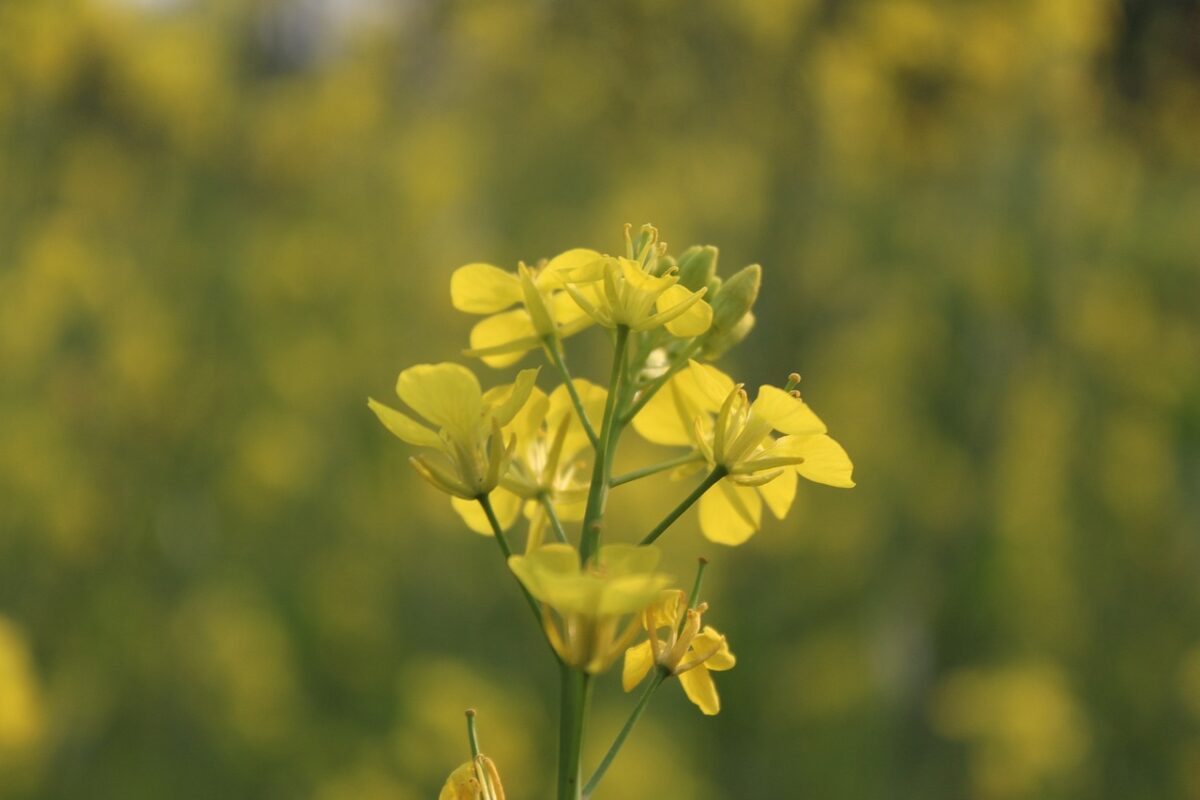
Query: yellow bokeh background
[[223, 224]]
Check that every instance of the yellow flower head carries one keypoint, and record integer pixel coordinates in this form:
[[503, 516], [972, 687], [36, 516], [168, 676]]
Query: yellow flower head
[[590, 601], [545, 311], [686, 650], [471, 453], [703, 408], [548, 437], [475, 780], [617, 291]]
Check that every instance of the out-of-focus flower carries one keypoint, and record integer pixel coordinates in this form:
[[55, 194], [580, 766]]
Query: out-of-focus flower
[[470, 452], [549, 438], [591, 601], [477, 779], [688, 650], [619, 291], [703, 408], [545, 311]]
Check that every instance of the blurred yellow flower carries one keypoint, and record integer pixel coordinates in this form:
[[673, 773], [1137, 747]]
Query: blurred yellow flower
[[545, 313], [471, 452], [477, 779], [616, 291], [688, 651], [549, 437], [591, 601], [703, 408]]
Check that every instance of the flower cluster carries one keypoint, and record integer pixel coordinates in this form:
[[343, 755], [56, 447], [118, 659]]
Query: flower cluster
[[518, 451]]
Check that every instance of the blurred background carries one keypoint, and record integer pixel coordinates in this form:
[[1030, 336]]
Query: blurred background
[[223, 224]]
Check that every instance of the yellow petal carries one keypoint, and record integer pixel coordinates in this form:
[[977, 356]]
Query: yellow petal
[[512, 331], [638, 661], [699, 687], [404, 426], [528, 421], [447, 395], [617, 560], [516, 397], [730, 514], [707, 639], [666, 418], [579, 264], [506, 505], [483, 289], [459, 785], [824, 459], [780, 493], [567, 314], [785, 412], [545, 571], [708, 384], [692, 322], [593, 398]]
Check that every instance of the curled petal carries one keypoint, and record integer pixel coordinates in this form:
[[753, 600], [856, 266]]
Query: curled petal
[[699, 687], [638, 661]]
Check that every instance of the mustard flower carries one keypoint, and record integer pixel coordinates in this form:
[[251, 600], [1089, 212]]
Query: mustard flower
[[508, 333], [470, 452], [548, 440], [617, 291], [703, 408], [687, 650], [476, 779], [590, 602]]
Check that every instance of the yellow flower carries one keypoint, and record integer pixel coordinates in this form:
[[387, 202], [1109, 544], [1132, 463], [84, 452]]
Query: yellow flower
[[548, 438], [475, 780], [545, 311], [616, 291], [590, 602], [702, 407], [471, 454], [688, 651]]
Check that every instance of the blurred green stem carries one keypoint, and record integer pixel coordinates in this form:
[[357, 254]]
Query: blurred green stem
[[502, 543], [550, 345], [654, 469], [576, 686], [598, 492], [552, 515], [710, 481], [634, 716]]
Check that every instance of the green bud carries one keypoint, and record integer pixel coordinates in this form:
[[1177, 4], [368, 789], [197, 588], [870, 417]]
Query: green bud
[[697, 266], [717, 343], [735, 298]]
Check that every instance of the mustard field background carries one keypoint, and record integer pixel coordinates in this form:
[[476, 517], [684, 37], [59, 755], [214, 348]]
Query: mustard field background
[[224, 224]]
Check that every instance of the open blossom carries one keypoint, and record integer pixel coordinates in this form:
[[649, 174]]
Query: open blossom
[[469, 452], [680, 646], [546, 463], [703, 408], [523, 308], [584, 608]]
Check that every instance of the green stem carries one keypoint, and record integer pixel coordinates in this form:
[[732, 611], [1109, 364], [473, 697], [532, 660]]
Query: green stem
[[502, 542], [634, 716], [654, 469], [550, 345], [576, 686], [552, 515], [598, 492], [716, 475]]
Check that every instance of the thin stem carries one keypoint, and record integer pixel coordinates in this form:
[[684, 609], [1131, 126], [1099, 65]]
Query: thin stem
[[502, 542], [472, 738], [598, 492], [550, 345], [552, 515], [576, 686], [654, 469], [634, 716], [716, 475], [679, 363], [695, 596]]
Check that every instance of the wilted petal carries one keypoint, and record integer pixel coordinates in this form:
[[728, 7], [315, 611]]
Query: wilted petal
[[699, 687]]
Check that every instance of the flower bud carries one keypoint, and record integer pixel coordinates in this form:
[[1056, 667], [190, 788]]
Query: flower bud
[[697, 266], [735, 298], [717, 344]]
